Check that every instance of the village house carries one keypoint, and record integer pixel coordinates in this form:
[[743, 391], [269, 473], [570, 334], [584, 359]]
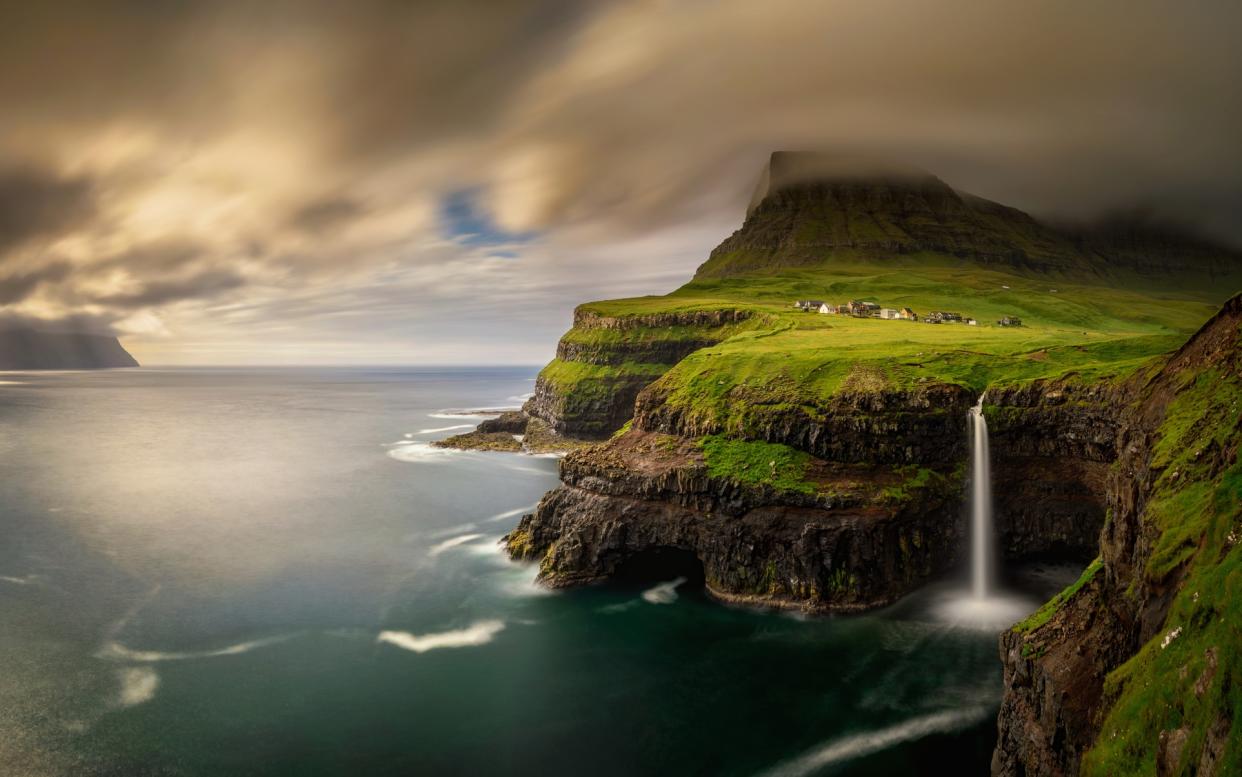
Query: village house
[[889, 314], [1010, 321], [808, 305], [971, 322], [908, 314], [828, 308], [863, 309]]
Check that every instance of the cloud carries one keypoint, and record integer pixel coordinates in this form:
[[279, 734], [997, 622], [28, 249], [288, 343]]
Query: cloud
[[202, 285], [410, 181], [325, 214], [18, 286], [38, 203]]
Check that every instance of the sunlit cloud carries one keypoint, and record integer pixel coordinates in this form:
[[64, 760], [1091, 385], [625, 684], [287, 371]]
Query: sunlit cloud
[[377, 182]]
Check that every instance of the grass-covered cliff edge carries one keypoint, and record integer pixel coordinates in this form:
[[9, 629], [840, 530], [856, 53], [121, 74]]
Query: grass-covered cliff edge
[[1137, 667], [795, 459]]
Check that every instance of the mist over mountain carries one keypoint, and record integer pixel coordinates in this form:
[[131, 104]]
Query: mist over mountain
[[810, 208]]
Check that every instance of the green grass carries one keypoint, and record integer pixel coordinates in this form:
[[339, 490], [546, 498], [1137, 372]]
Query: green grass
[[1053, 605], [782, 359], [916, 478], [804, 358], [756, 463], [583, 381], [1194, 518]]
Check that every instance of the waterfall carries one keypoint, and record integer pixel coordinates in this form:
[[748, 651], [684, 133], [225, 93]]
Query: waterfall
[[980, 505]]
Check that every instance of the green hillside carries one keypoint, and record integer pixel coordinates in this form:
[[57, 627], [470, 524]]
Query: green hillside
[[1096, 302]]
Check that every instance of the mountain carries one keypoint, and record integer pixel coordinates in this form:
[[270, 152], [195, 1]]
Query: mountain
[[810, 210], [28, 349], [817, 462]]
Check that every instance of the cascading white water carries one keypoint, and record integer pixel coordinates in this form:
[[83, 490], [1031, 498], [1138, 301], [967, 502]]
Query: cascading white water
[[980, 505]]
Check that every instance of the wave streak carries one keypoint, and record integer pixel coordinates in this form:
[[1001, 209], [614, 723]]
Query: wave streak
[[451, 543], [115, 651], [859, 745], [478, 633], [446, 428]]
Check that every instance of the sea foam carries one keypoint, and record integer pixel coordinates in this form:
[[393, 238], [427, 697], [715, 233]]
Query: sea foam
[[439, 429], [451, 543], [417, 452], [138, 685], [512, 513], [859, 745], [664, 593], [478, 633], [115, 651]]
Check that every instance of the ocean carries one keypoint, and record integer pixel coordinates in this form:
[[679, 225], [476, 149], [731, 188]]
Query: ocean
[[270, 572]]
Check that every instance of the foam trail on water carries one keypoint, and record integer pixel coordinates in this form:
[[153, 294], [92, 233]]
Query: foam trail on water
[[27, 580], [115, 651], [478, 633], [859, 745], [451, 543], [512, 513], [138, 685], [451, 531], [412, 452], [664, 593], [446, 428]]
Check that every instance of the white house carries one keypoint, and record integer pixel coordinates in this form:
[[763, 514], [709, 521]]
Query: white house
[[827, 309], [890, 313]]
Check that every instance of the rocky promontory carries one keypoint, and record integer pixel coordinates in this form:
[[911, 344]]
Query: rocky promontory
[[29, 349]]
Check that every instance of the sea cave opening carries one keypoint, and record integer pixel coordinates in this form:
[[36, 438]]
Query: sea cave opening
[[658, 565]]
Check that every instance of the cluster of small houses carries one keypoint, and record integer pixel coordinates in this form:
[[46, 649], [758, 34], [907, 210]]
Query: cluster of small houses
[[860, 309]]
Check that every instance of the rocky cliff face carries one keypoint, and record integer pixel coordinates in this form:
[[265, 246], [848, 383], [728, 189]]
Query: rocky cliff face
[[860, 539], [606, 360], [1052, 444], [923, 426], [880, 513], [1135, 668]]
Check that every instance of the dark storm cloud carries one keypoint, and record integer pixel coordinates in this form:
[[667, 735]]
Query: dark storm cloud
[[202, 285], [38, 203], [17, 286], [288, 156]]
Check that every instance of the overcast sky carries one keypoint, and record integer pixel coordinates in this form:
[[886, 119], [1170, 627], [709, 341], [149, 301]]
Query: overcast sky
[[377, 181]]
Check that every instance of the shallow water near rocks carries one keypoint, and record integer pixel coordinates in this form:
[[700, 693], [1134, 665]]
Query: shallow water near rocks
[[210, 571]]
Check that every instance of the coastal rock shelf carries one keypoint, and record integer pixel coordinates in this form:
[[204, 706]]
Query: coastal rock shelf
[[851, 539]]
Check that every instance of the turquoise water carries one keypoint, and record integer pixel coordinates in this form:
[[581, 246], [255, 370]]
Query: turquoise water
[[209, 572]]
